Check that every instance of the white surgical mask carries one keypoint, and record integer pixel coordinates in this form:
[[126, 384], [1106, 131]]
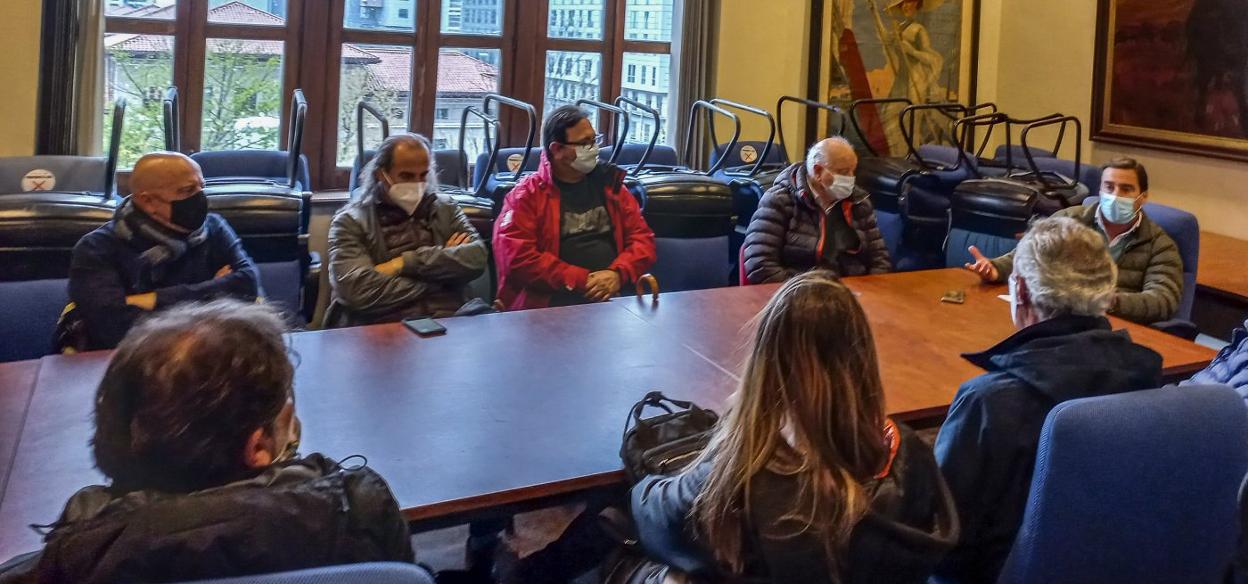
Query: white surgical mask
[[1115, 209], [842, 187], [586, 159], [406, 195]]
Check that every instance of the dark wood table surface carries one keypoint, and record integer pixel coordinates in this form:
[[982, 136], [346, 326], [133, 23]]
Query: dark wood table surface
[[919, 339], [516, 407], [17, 383], [1223, 265], [504, 408]]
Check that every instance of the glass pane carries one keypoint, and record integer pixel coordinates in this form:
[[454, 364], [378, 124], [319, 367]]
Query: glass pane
[[253, 12], [242, 95], [464, 77], [380, 75], [571, 76], [154, 9], [481, 17], [575, 19], [648, 20], [138, 68], [394, 15], [647, 78]]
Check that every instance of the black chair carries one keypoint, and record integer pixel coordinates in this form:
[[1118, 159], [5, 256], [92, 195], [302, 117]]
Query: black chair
[[498, 170], [269, 213]]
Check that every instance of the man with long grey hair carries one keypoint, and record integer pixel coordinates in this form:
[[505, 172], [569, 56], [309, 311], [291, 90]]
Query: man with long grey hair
[[1061, 286], [399, 250]]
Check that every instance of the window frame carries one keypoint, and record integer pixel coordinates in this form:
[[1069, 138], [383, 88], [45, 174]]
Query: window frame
[[191, 30], [312, 59]]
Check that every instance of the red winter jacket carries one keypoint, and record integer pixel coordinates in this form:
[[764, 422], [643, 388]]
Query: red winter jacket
[[526, 240]]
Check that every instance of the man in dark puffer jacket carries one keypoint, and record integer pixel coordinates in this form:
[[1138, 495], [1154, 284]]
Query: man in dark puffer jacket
[[195, 427], [814, 217]]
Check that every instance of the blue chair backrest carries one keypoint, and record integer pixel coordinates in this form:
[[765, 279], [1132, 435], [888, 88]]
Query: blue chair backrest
[[1184, 229], [693, 263], [504, 162], [738, 156], [662, 155], [367, 573], [1137, 487], [960, 240], [450, 167], [28, 317], [267, 165], [357, 167], [282, 283], [71, 174]]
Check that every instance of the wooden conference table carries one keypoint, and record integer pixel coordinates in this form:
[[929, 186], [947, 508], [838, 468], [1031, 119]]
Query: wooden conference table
[[516, 409], [1221, 285]]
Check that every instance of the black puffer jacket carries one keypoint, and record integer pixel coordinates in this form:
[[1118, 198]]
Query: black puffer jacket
[[907, 530], [786, 236], [301, 514]]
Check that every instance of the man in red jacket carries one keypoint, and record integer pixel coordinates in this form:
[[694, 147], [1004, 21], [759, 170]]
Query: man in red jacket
[[570, 233]]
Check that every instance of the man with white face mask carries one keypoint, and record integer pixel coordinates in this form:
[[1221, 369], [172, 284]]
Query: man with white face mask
[[1150, 270], [569, 233], [399, 250], [814, 217]]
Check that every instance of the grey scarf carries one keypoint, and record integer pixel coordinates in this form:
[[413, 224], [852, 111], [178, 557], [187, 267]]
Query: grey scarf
[[168, 246]]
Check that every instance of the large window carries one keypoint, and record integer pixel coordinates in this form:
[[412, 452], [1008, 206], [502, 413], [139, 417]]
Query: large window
[[231, 77], [419, 62]]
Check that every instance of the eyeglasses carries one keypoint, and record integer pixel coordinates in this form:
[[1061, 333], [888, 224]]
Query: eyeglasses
[[595, 141]]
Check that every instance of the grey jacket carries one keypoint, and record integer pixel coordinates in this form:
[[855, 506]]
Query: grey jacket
[[1150, 270], [433, 280]]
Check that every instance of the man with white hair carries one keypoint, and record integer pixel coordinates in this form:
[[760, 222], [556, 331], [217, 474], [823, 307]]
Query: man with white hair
[[1061, 286], [814, 217]]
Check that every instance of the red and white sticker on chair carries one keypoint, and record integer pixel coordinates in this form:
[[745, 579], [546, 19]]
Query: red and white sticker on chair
[[748, 154], [514, 161], [38, 180]]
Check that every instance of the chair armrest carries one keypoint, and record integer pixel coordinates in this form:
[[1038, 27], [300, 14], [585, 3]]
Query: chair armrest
[[311, 287], [1178, 327]]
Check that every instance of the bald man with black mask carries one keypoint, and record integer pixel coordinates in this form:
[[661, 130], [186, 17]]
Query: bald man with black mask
[[161, 248]]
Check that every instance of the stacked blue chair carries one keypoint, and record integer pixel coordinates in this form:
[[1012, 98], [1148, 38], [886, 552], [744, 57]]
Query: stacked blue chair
[[363, 154], [691, 213], [265, 197], [366, 573], [635, 157], [1138, 487], [47, 203], [498, 170]]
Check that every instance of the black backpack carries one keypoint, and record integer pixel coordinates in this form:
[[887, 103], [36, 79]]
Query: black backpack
[[664, 444]]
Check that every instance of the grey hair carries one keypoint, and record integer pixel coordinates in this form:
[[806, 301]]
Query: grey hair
[[384, 160], [818, 153], [1067, 268]]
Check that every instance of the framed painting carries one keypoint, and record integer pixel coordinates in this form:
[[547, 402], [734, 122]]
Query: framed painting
[[923, 51], [1172, 75]]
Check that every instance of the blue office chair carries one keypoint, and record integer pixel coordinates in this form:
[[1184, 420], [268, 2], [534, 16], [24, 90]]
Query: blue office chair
[[38, 232], [89, 175], [265, 196], [1136, 487], [28, 317], [366, 573], [990, 219], [1184, 229], [1018, 153]]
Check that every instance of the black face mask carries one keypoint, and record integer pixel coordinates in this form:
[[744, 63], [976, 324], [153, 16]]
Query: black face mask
[[189, 213]]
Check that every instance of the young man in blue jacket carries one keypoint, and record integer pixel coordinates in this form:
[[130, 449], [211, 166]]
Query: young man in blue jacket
[[1061, 286], [161, 248]]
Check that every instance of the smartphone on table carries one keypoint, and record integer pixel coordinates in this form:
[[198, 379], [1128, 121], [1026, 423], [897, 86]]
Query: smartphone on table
[[425, 327]]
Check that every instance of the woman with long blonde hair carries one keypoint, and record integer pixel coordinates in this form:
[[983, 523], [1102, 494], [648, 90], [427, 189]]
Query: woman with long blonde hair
[[806, 479]]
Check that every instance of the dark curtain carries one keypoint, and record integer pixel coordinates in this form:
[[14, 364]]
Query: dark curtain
[[696, 57]]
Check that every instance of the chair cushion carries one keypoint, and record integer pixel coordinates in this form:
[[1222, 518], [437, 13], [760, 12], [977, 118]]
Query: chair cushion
[[28, 317], [70, 174], [507, 157]]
